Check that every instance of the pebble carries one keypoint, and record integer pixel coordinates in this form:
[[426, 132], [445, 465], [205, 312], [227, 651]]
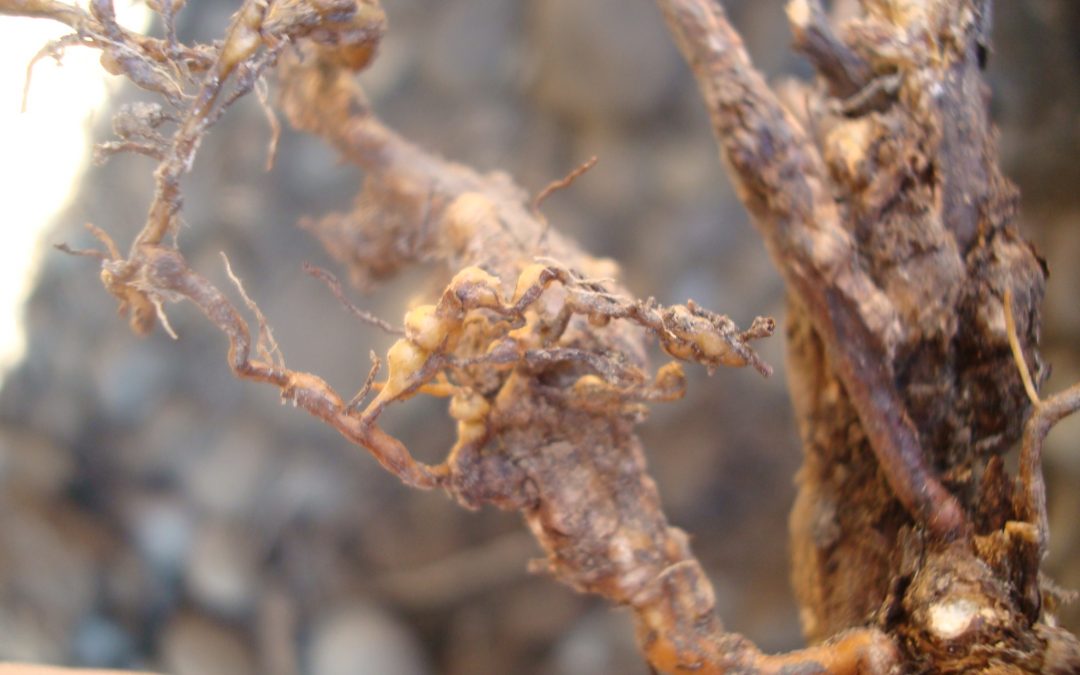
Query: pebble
[[99, 642], [127, 380], [309, 484], [195, 645], [362, 639], [221, 571], [226, 477], [162, 528], [598, 642], [24, 638]]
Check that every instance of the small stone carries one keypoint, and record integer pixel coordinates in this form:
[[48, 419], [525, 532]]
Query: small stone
[[599, 642], [24, 638], [194, 645], [166, 442], [162, 527], [227, 477], [311, 485], [128, 582], [128, 379], [364, 640], [221, 572], [100, 643]]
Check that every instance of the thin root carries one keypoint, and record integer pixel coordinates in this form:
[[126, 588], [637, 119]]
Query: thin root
[[103, 236], [54, 49], [355, 403], [563, 183], [159, 309], [265, 345], [1017, 351], [262, 94], [83, 252], [335, 287]]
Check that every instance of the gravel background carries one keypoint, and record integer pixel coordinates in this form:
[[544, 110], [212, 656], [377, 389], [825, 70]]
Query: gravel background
[[156, 513]]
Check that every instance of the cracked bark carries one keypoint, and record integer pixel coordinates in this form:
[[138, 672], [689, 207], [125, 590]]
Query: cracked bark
[[879, 198]]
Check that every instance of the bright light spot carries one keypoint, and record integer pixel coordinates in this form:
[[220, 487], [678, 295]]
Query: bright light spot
[[799, 14], [951, 619], [43, 151]]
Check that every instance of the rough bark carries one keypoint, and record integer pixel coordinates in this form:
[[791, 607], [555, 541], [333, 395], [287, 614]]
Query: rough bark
[[879, 198]]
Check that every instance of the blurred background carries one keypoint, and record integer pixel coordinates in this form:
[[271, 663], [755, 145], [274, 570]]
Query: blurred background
[[156, 513]]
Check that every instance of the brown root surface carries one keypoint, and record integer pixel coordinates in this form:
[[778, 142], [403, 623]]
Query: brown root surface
[[912, 300]]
